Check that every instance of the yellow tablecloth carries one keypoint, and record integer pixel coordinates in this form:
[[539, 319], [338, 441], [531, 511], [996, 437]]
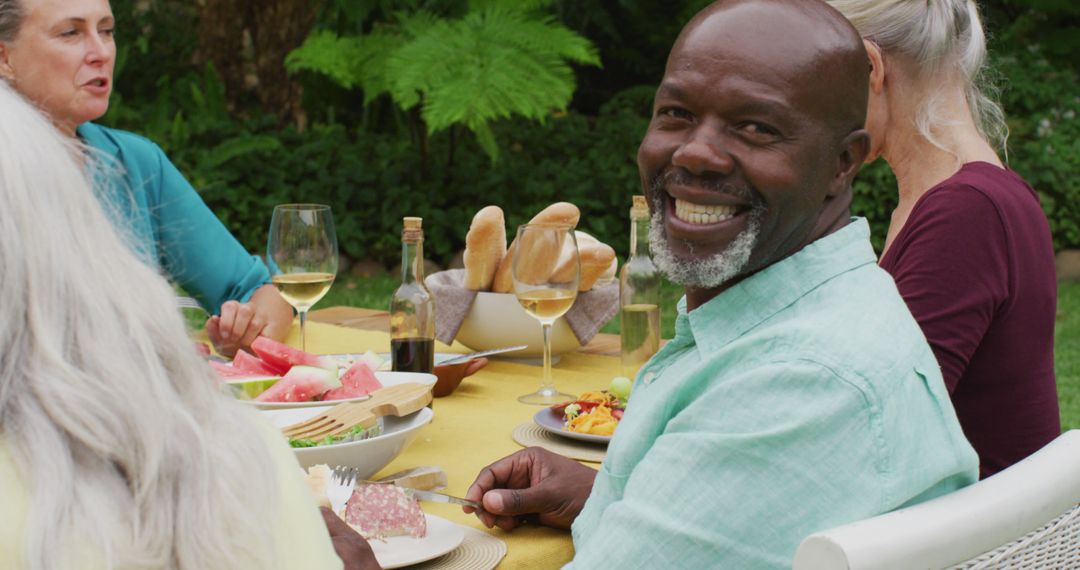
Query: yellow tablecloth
[[472, 428]]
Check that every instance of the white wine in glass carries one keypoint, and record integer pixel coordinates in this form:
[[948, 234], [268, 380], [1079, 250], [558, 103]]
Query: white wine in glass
[[303, 256], [544, 293]]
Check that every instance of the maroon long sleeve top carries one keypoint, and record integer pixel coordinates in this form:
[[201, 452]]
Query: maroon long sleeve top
[[975, 264]]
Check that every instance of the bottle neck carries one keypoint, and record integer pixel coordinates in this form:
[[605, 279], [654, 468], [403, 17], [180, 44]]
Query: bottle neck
[[639, 236], [412, 260]]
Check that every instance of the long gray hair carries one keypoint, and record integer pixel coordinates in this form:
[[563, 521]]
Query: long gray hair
[[118, 428], [938, 36]]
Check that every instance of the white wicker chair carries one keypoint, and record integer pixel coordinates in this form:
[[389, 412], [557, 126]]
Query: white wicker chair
[[1025, 517]]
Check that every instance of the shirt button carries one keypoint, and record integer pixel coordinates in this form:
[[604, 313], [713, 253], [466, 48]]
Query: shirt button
[[648, 377]]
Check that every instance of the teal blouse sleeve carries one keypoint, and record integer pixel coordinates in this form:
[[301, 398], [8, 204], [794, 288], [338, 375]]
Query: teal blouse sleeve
[[170, 222], [196, 249]]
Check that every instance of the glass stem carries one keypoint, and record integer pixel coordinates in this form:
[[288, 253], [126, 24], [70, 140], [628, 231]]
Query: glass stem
[[303, 340], [548, 385]]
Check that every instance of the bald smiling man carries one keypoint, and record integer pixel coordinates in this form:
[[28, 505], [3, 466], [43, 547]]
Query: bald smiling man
[[798, 392]]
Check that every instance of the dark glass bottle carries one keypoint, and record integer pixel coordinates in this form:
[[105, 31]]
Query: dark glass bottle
[[412, 308]]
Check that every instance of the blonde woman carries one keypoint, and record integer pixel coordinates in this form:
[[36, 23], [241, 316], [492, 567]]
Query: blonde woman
[[117, 449], [59, 54], [968, 245]]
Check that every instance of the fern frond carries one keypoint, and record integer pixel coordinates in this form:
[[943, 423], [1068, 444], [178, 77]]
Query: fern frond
[[503, 58], [538, 35], [327, 54], [488, 66], [372, 59]]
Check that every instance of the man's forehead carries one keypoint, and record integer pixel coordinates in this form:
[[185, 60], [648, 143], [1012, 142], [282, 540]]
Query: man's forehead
[[774, 37]]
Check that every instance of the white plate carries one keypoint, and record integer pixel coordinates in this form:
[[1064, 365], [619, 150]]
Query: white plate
[[553, 422], [385, 378], [398, 551]]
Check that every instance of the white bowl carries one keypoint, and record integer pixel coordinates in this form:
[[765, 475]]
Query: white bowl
[[496, 320], [367, 455]]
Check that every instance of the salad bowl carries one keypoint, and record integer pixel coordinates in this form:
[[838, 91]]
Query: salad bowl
[[369, 455]]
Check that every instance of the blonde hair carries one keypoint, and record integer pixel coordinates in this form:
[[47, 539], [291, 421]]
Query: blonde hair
[[938, 36], [118, 428]]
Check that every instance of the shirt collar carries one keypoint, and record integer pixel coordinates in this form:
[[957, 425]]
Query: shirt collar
[[95, 137], [765, 293]]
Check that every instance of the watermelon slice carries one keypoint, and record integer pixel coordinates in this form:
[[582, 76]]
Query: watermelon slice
[[301, 384], [281, 358], [249, 388], [251, 364], [358, 380], [227, 372], [203, 349]]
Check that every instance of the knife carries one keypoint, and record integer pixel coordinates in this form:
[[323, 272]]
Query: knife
[[441, 498], [467, 357]]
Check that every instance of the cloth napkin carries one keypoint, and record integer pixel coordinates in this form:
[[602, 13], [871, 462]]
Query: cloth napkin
[[590, 312]]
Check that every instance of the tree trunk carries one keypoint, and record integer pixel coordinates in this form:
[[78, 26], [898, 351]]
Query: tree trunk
[[222, 25], [247, 43], [278, 27]]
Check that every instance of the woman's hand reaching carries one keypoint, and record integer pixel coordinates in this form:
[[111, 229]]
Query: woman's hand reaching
[[266, 314]]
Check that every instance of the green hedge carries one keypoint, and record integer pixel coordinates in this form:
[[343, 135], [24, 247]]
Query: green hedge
[[372, 179]]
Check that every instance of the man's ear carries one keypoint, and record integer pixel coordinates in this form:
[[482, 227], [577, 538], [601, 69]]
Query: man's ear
[[877, 66], [853, 151]]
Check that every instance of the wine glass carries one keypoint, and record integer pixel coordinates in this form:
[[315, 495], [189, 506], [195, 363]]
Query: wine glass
[[546, 288], [302, 254]]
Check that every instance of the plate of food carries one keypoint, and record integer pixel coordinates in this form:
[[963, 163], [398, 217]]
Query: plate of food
[[442, 537], [278, 376], [593, 417], [390, 519]]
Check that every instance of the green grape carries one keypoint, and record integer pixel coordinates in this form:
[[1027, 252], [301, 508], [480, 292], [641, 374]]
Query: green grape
[[620, 387]]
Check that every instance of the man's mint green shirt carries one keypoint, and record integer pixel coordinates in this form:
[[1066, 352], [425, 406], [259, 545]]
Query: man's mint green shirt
[[802, 398]]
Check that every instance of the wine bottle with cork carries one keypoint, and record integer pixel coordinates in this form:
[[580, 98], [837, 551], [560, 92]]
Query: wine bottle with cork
[[639, 295], [412, 307]]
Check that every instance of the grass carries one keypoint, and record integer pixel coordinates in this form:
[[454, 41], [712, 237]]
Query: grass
[[374, 293], [1067, 354]]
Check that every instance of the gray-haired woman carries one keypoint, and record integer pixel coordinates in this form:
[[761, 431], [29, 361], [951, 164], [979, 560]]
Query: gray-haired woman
[[117, 448], [968, 245]]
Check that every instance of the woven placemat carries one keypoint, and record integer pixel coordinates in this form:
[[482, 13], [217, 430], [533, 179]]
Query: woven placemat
[[531, 434], [479, 551]]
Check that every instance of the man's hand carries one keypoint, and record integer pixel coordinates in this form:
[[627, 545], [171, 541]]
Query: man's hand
[[267, 314], [351, 548], [531, 484]]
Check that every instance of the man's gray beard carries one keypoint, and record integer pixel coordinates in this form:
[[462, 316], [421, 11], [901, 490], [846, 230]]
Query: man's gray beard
[[709, 272]]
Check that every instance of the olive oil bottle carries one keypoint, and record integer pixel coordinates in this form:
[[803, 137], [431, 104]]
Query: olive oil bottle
[[639, 295]]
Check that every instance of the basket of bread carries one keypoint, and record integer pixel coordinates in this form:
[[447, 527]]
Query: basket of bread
[[476, 305]]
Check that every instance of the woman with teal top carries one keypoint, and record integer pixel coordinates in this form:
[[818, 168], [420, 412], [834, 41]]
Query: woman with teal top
[[59, 54]]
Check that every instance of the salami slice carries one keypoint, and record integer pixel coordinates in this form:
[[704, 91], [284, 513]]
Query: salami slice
[[384, 510]]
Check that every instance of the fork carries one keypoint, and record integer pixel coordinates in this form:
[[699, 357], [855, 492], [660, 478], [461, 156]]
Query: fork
[[399, 400], [340, 487], [188, 303]]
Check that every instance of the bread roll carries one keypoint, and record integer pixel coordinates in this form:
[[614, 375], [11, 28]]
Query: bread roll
[[596, 258], [317, 478], [543, 257], [485, 247]]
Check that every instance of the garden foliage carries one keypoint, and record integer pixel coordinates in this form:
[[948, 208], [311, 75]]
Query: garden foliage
[[390, 86], [500, 60]]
